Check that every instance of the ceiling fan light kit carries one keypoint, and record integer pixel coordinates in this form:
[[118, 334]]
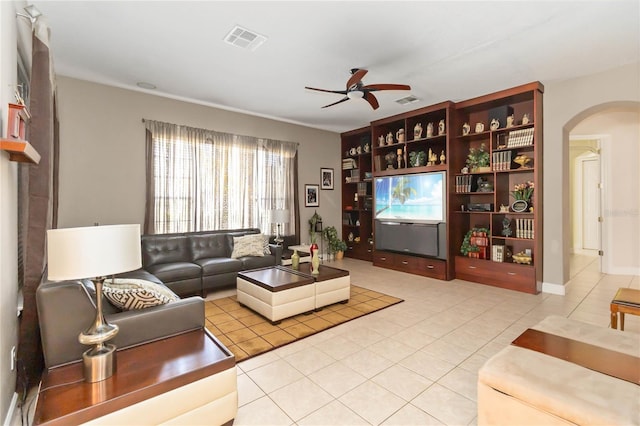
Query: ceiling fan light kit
[[355, 89]]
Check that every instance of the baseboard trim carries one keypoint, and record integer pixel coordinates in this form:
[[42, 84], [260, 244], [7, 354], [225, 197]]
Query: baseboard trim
[[623, 271], [12, 410], [552, 288]]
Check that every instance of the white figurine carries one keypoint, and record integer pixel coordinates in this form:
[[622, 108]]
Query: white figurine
[[510, 120]]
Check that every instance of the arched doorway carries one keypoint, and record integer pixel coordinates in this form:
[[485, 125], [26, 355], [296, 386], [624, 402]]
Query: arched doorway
[[615, 127]]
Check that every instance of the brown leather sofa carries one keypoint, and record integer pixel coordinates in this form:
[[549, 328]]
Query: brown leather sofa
[[66, 308], [195, 263]]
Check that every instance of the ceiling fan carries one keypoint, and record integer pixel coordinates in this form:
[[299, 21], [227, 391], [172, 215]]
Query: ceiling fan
[[356, 89]]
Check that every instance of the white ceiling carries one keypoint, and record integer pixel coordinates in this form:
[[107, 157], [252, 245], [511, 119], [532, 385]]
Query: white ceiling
[[446, 50]]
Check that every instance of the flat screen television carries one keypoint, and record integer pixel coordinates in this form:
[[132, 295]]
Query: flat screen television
[[417, 198]]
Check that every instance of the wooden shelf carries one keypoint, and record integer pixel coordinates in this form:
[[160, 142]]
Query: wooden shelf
[[410, 170], [20, 150]]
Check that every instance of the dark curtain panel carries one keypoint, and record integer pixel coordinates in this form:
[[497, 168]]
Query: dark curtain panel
[[296, 197], [149, 207], [37, 185]]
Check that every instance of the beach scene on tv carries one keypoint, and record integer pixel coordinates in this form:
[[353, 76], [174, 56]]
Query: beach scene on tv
[[412, 198]]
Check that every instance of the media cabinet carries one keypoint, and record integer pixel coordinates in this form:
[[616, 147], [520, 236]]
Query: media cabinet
[[475, 198]]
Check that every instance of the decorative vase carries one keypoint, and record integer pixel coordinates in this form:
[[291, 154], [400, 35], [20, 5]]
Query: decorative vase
[[417, 131], [295, 260], [313, 248], [315, 263], [519, 206], [339, 255]]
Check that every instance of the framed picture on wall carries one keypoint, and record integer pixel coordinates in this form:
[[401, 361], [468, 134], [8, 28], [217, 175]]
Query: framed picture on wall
[[326, 178], [311, 195]]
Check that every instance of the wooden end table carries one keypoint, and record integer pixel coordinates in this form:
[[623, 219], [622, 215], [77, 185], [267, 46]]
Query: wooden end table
[[626, 301], [143, 372]]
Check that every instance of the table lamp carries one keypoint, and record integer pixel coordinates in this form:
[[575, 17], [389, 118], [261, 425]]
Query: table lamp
[[279, 216], [94, 253]]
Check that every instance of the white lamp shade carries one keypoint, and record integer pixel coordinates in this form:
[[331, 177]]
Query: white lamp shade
[[280, 216], [93, 251]]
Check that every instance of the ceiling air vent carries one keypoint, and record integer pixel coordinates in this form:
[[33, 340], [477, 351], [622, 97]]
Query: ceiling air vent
[[407, 100], [244, 38]]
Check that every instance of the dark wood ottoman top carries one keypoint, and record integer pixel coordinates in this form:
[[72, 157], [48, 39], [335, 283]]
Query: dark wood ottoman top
[[275, 278], [326, 272]]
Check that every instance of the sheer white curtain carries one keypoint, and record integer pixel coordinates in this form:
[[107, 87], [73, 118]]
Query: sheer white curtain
[[205, 180]]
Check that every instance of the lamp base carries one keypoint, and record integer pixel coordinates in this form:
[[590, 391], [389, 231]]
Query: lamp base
[[99, 363]]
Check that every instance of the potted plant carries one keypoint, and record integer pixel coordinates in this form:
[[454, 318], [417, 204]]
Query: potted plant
[[339, 247], [417, 158], [478, 159], [336, 246], [522, 193]]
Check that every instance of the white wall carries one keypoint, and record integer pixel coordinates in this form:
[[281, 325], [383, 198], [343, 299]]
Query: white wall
[[102, 145], [621, 209], [566, 103], [8, 212]]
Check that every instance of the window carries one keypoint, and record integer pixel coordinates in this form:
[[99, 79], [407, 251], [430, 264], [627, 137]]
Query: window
[[204, 180]]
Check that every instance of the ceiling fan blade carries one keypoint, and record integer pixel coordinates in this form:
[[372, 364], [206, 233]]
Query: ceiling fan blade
[[341, 92], [371, 99], [356, 77], [346, 98], [376, 87]]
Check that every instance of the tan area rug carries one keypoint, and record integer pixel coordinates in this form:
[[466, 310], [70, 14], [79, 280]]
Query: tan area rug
[[247, 333]]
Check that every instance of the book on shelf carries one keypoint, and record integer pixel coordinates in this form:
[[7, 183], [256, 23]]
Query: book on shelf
[[464, 183], [501, 160], [348, 163], [519, 138], [497, 253], [347, 219], [524, 228], [362, 188], [354, 176]]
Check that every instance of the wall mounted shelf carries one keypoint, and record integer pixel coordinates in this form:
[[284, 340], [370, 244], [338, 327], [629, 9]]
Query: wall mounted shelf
[[20, 150]]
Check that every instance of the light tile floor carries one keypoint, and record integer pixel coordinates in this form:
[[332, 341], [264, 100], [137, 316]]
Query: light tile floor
[[415, 362]]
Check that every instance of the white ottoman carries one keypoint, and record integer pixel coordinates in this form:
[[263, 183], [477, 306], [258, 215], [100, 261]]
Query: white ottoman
[[523, 386], [276, 292]]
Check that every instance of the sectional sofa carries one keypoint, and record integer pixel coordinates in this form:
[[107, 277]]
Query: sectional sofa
[[189, 264], [195, 263]]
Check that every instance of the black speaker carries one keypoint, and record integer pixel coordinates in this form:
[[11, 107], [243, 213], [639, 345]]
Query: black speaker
[[501, 113]]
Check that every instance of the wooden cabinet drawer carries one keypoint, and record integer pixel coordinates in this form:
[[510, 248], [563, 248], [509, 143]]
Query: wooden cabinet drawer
[[420, 265], [360, 250], [498, 274], [384, 259], [412, 264]]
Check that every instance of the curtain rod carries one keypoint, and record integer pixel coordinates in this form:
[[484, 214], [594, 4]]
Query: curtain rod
[[256, 137]]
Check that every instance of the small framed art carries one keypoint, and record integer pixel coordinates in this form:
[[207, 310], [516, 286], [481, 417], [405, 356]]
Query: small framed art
[[311, 195], [326, 178]]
